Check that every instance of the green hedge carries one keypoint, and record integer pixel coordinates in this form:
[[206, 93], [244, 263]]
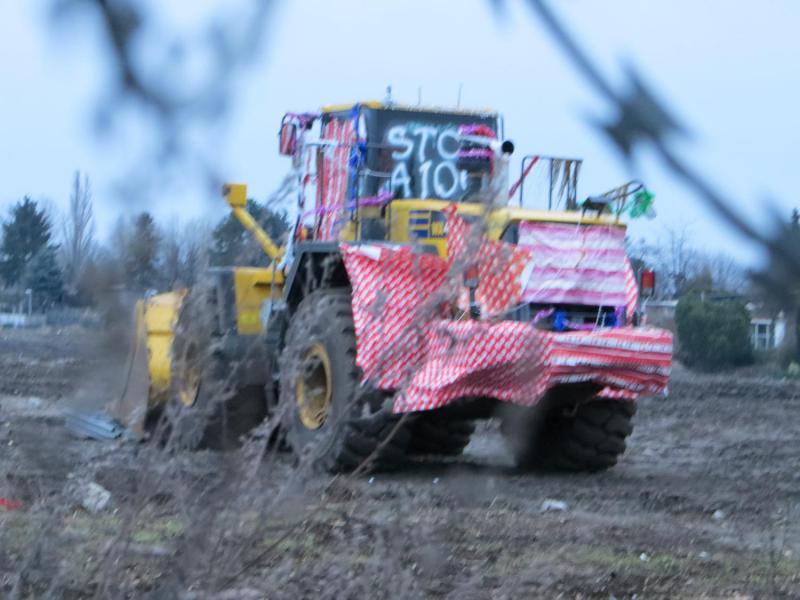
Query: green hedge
[[713, 333]]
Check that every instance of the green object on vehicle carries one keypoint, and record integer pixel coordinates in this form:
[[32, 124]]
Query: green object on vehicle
[[642, 205]]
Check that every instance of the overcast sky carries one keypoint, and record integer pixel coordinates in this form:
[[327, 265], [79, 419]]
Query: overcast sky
[[729, 70]]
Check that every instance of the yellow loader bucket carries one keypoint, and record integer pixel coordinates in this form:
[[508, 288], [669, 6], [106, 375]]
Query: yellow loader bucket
[[148, 372]]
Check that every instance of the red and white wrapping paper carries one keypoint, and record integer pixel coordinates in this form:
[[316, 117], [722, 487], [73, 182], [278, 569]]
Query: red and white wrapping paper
[[333, 179], [576, 264], [407, 343], [397, 294], [515, 362], [478, 359]]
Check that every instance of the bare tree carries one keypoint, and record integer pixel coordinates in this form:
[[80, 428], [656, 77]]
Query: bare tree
[[726, 274], [196, 242], [673, 257], [683, 267], [78, 232], [184, 253], [678, 257], [172, 255]]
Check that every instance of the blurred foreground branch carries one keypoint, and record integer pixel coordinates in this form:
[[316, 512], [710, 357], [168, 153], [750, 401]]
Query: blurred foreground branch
[[641, 117]]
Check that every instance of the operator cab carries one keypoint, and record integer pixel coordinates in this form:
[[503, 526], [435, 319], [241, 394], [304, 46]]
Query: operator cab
[[364, 160]]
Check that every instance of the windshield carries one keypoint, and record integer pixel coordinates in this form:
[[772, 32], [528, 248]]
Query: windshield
[[413, 153]]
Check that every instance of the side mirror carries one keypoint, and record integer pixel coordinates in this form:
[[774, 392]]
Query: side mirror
[[288, 139]]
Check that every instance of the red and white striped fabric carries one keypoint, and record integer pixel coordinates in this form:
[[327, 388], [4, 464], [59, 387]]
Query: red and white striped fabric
[[575, 264], [478, 359], [333, 179], [405, 342], [514, 362], [617, 394], [631, 291], [635, 360]]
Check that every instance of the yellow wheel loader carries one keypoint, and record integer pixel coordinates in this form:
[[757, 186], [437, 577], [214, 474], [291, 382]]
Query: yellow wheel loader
[[282, 340]]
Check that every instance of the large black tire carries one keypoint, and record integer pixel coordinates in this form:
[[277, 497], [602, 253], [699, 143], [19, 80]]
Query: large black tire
[[434, 433], [220, 416], [357, 428], [219, 410], [590, 437]]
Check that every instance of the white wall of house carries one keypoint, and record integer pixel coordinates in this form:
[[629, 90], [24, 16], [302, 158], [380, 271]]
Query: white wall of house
[[780, 329], [768, 333]]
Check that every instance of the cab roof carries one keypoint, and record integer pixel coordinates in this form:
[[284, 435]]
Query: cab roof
[[378, 104]]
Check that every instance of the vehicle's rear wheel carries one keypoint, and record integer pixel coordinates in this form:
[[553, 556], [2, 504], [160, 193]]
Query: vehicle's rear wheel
[[587, 437], [434, 433], [328, 416]]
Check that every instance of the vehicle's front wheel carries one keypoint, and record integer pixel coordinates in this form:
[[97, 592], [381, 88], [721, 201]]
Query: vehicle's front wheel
[[327, 415], [210, 408]]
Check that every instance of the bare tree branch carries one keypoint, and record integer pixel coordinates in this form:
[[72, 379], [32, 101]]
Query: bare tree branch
[[78, 230]]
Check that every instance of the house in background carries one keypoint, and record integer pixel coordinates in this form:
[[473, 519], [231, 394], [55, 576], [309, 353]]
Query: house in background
[[768, 329]]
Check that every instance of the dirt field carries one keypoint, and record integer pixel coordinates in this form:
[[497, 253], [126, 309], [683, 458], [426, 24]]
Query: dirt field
[[705, 503]]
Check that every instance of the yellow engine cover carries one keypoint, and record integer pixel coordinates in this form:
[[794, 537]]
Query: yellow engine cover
[[254, 285], [423, 221]]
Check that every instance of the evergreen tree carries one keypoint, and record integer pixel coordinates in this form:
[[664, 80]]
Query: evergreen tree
[[712, 333], [141, 250], [25, 233], [232, 244], [44, 278]]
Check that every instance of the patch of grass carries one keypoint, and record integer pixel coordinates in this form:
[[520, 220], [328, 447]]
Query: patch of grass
[[507, 563], [17, 531], [89, 525], [721, 569], [625, 560], [302, 544], [762, 569], [158, 531], [756, 571]]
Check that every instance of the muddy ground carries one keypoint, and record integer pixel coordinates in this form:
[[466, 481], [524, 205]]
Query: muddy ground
[[705, 503]]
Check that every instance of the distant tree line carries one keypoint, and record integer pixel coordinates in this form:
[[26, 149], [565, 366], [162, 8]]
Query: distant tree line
[[684, 268], [60, 262]]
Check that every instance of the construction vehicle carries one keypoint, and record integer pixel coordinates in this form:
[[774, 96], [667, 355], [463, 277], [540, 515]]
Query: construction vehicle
[[281, 339]]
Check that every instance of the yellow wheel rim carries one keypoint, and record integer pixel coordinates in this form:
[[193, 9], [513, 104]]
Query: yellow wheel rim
[[313, 389], [189, 378], [190, 387]]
